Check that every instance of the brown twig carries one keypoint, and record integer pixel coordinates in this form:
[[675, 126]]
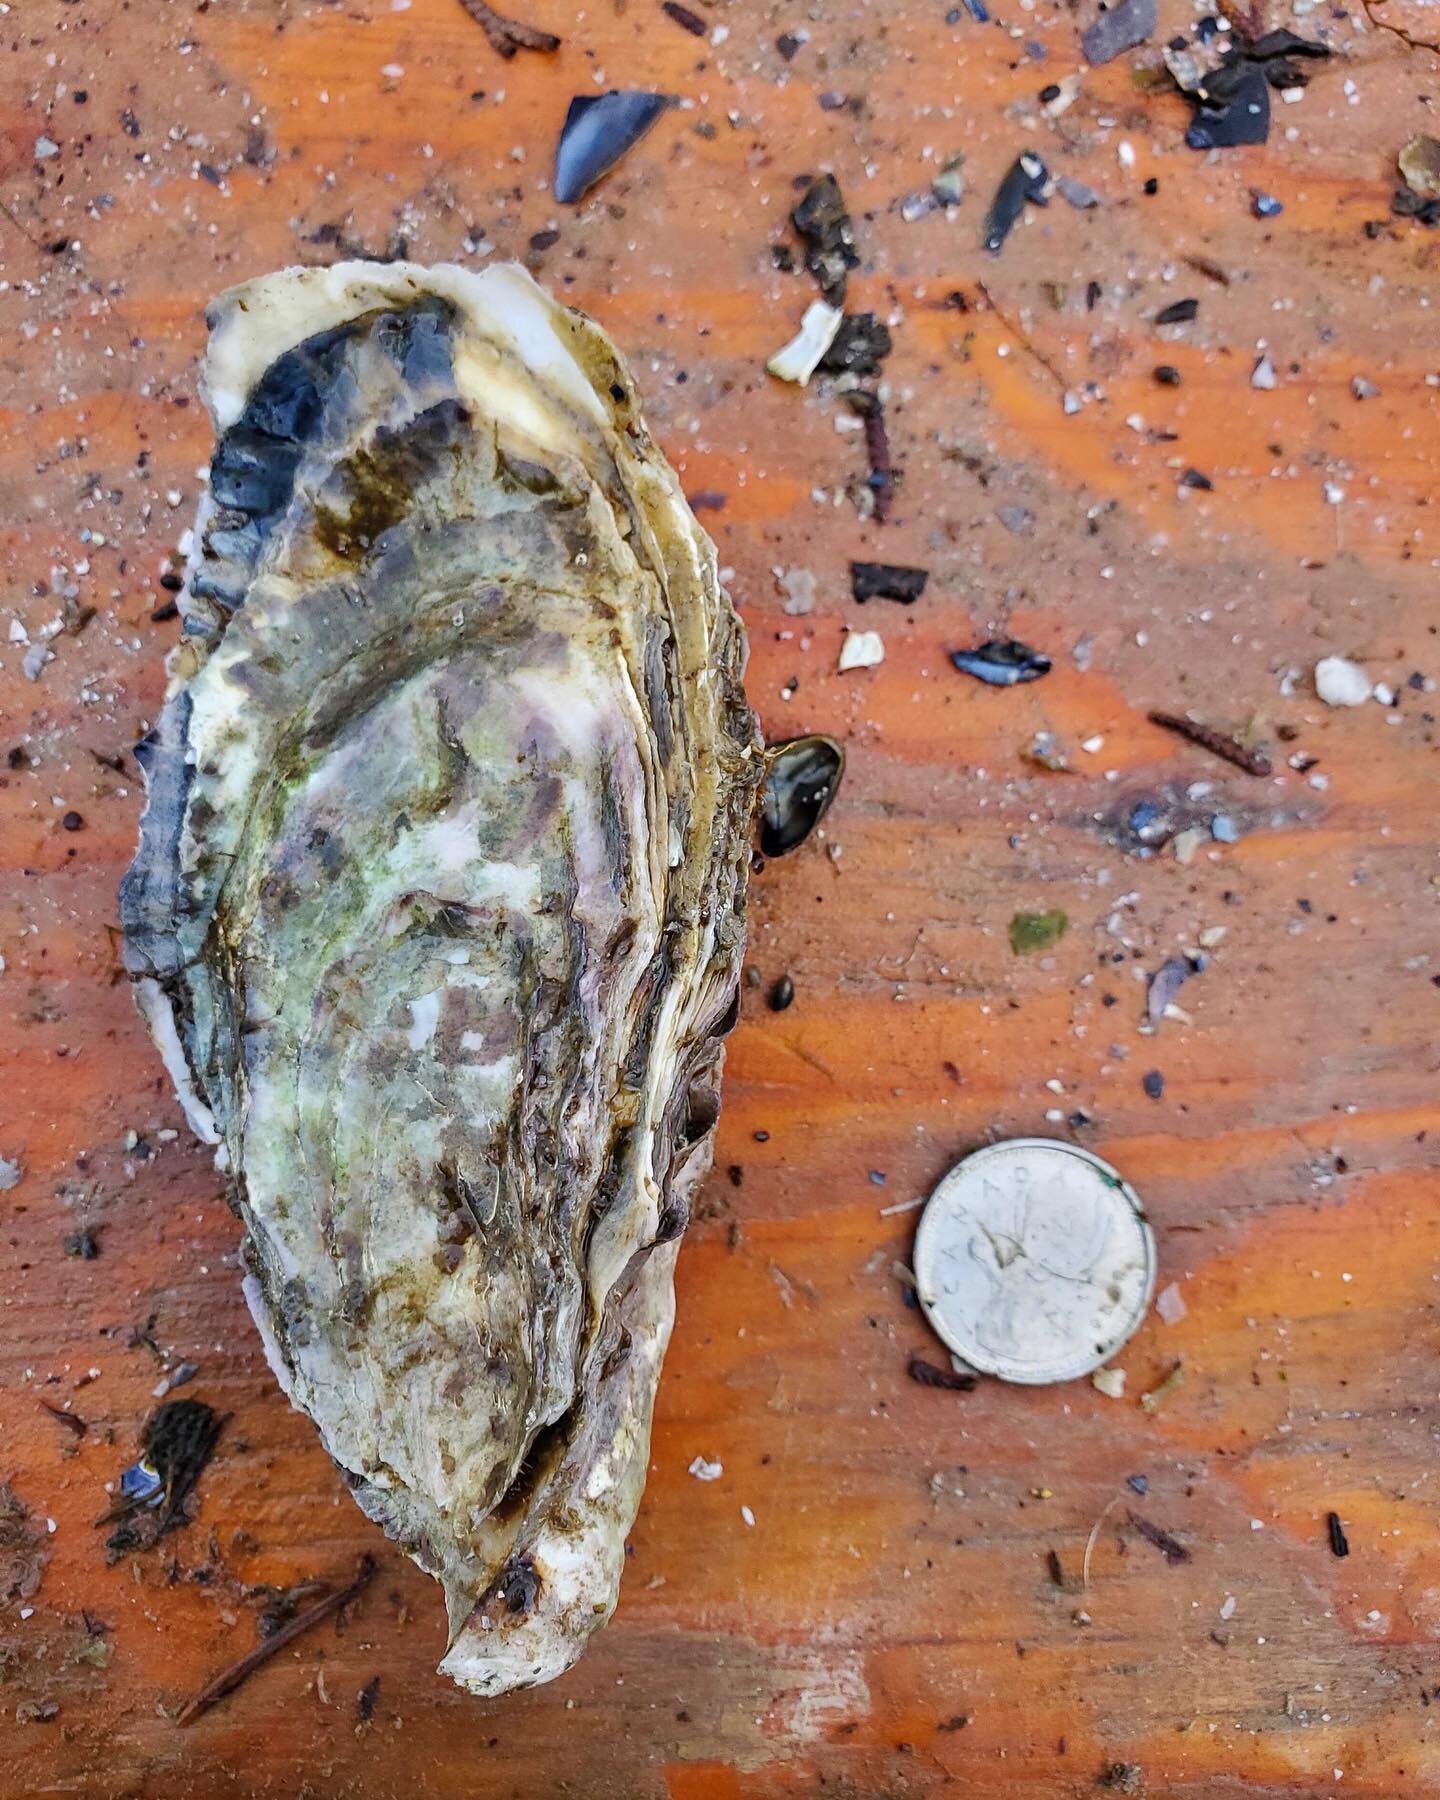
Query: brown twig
[[1399, 31], [508, 35], [232, 1677], [73, 1420], [1218, 743]]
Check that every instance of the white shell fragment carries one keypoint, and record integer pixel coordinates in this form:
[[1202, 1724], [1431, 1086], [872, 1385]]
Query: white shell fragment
[[1340, 682], [1033, 1261], [861, 650], [801, 357], [438, 910]]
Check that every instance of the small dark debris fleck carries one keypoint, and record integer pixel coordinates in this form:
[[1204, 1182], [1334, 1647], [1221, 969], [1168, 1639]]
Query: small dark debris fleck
[[1167, 375], [1178, 312], [129, 124], [543, 240], [366, 1698], [957, 1722], [83, 1244], [1194, 478], [1339, 1543], [1139, 1483], [1153, 1083], [72, 821], [887, 581], [928, 1374], [208, 172], [1121, 1777], [788, 45], [782, 994], [1053, 1566], [1164, 1541], [684, 18]]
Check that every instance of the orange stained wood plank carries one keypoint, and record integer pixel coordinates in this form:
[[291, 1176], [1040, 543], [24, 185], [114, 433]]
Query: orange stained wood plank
[[891, 1589]]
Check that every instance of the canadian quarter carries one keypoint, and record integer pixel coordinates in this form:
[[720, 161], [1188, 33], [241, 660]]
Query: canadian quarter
[[1034, 1261]]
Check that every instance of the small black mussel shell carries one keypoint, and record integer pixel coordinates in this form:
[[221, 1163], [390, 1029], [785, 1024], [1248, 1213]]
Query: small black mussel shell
[[803, 777], [1002, 662], [598, 130]]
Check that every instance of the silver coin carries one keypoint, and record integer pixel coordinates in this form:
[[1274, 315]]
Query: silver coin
[[1033, 1261]]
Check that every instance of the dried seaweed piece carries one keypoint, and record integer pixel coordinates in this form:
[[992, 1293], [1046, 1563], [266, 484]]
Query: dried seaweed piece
[[508, 35], [887, 581], [1026, 180], [1002, 662], [23, 1552], [802, 780], [861, 343], [1117, 29], [178, 1442], [598, 130], [1031, 931], [439, 906], [823, 226]]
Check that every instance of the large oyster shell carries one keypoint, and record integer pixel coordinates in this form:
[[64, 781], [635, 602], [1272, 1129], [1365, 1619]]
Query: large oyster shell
[[437, 913]]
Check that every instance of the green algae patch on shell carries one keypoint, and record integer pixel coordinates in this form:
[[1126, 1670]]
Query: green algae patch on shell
[[438, 909]]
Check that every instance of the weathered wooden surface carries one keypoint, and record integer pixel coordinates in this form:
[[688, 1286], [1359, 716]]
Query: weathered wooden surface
[[894, 1582]]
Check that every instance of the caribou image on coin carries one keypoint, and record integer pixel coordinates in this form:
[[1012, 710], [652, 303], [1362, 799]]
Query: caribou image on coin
[[1033, 1261]]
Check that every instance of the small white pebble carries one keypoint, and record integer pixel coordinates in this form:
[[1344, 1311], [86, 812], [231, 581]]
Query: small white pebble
[[706, 1471], [1109, 1382], [1340, 682], [747, 1515], [1092, 744], [1227, 1607], [861, 650]]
